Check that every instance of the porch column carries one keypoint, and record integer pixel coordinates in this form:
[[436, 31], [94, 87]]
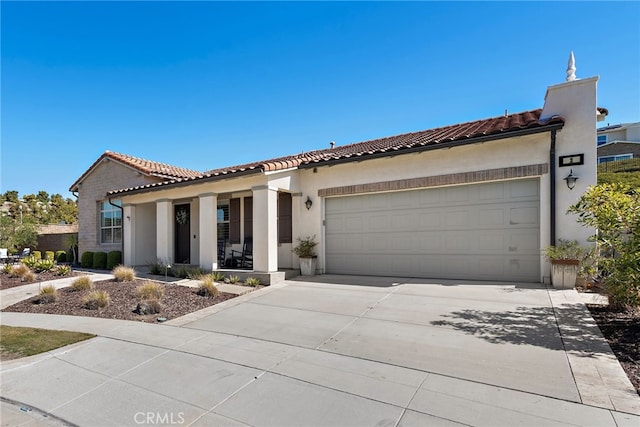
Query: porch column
[[164, 230], [129, 234], [208, 231], [265, 228]]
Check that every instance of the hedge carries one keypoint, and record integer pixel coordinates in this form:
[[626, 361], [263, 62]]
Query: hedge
[[100, 260], [114, 258], [86, 261], [49, 255], [61, 256]]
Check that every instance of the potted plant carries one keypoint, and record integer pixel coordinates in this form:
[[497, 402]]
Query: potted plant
[[565, 262], [305, 249]]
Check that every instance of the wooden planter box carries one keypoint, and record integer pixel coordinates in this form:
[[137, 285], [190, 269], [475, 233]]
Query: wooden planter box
[[564, 273]]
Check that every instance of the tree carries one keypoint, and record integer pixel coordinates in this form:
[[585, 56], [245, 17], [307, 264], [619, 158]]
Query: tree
[[614, 210], [25, 236]]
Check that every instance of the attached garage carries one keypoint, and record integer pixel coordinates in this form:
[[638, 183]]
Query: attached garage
[[487, 231]]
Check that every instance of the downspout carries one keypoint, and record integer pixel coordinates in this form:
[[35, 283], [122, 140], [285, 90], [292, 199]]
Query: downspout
[[122, 229], [552, 188]]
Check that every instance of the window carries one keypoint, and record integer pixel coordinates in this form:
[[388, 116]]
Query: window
[[110, 222], [223, 220], [615, 158], [602, 139]]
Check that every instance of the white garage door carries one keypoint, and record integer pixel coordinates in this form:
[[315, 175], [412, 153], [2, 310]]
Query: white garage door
[[479, 232]]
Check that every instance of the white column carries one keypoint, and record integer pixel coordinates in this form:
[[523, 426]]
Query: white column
[[164, 230], [208, 233], [129, 234], [265, 228]]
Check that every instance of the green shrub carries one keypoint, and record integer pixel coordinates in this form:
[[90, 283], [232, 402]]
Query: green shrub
[[82, 283], [233, 279], [7, 269], [37, 254], [207, 288], [218, 276], [61, 256], [123, 273], [100, 260], [49, 255], [48, 294], [252, 281], [614, 210], [150, 291], [114, 258], [63, 270], [31, 261], [86, 260], [96, 299], [44, 265]]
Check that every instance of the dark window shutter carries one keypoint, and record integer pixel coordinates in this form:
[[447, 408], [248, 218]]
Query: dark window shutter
[[234, 221], [248, 217], [284, 218]]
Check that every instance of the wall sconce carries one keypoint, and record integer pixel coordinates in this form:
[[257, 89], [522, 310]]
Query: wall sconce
[[571, 180], [308, 203]]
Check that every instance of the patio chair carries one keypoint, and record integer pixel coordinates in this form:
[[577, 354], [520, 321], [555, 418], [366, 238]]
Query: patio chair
[[222, 252], [25, 253], [4, 255], [243, 259]]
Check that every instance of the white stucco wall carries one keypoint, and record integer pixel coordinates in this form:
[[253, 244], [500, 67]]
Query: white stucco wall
[[576, 102]]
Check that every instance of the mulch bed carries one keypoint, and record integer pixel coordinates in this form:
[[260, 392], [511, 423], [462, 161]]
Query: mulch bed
[[177, 301], [622, 330], [7, 282]]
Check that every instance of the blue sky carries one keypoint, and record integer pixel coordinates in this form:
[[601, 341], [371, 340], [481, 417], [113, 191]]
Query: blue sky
[[211, 84]]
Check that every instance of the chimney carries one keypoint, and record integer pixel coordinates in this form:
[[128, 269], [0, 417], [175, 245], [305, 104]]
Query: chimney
[[332, 144]]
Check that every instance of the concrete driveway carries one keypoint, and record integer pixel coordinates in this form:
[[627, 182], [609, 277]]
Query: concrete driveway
[[336, 351]]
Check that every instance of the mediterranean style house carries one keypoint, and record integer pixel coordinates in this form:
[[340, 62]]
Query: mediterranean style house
[[476, 201]]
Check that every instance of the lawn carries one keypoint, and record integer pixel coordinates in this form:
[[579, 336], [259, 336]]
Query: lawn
[[16, 342]]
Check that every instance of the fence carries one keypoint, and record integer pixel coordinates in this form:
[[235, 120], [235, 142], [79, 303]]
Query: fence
[[629, 165]]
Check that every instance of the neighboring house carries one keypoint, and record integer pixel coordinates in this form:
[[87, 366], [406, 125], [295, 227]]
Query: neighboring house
[[54, 237], [618, 142], [477, 200]]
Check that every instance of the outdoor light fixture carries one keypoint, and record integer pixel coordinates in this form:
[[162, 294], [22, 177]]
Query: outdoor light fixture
[[308, 203], [571, 180]]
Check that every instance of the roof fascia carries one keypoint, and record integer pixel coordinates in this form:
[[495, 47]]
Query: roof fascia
[[184, 183], [523, 132]]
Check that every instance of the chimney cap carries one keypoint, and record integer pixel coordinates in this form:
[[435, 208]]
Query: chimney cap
[[332, 144]]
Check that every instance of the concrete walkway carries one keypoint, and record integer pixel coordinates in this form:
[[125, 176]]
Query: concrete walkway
[[337, 351]]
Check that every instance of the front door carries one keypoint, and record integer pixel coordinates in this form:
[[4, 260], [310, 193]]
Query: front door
[[182, 215]]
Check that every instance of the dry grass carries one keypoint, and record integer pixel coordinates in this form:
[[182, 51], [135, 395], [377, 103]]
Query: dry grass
[[207, 287], [82, 283], [96, 299], [150, 291], [48, 294], [124, 274]]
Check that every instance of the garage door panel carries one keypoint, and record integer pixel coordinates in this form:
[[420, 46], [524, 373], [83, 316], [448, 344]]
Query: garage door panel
[[481, 231]]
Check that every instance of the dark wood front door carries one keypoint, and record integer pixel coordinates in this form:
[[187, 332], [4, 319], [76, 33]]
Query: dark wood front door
[[182, 216]]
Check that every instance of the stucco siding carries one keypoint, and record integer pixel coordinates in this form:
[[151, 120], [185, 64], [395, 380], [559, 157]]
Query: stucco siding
[[106, 176]]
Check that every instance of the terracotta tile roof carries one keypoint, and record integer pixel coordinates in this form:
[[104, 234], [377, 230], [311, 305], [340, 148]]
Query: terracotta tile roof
[[147, 167], [479, 130]]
